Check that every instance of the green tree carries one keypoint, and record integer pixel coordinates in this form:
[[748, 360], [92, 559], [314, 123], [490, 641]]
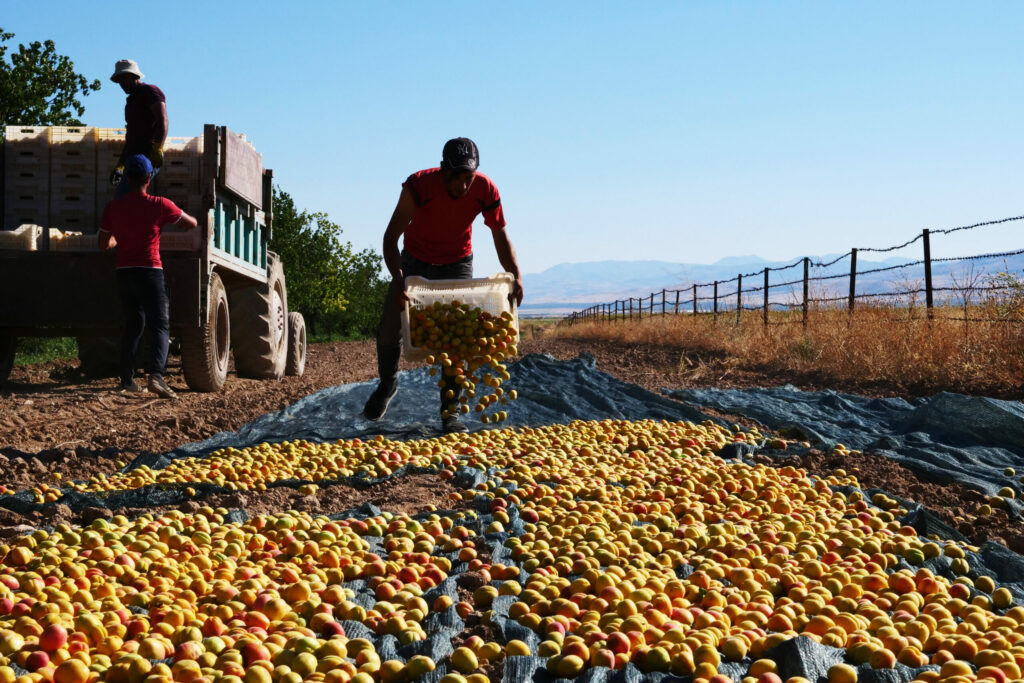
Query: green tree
[[39, 87], [336, 288]]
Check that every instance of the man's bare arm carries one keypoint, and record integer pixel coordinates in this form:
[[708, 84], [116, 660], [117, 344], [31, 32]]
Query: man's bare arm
[[159, 110], [396, 227], [106, 240], [507, 258], [188, 222]]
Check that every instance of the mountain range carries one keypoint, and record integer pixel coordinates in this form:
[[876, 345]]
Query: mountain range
[[568, 287]]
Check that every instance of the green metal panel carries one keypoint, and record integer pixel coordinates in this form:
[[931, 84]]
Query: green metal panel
[[238, 236]]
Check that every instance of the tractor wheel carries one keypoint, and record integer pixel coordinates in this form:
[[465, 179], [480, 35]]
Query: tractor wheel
[[205, 350], [296, 345], [259, 325]]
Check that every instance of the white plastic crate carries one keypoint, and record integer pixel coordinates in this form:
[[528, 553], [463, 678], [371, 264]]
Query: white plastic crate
[[72, 150], [490, 294], [39, 135], [22, 238], [73, 241], [25, 209], [27, 148]]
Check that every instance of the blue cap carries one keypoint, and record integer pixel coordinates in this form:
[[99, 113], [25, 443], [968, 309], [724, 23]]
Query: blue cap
[[138, 164]]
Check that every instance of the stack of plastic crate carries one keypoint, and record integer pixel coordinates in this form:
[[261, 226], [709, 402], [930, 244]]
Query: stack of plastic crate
[[178, 178], [26, 176], [73, 178], [109, 143]]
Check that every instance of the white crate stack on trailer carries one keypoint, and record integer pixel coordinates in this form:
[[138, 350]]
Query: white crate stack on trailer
[[26, 176], [58, 178]]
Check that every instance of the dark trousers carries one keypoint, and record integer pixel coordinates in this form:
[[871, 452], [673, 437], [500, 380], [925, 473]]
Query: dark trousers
[[144, 300], [389, 333]]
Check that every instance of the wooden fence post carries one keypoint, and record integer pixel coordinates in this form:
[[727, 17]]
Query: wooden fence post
[[807, 270], [766, 297], [853, 278], [695, 299], [663, 302], [631, 309], [739, 298], [652, 305], [928, 272], [715, 308], [677, 302]]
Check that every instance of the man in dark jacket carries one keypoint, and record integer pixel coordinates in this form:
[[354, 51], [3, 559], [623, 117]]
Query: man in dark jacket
[[145, 117]]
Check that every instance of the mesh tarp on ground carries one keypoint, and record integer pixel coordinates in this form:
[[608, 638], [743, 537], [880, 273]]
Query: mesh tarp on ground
[[946, 437], [550, 392]]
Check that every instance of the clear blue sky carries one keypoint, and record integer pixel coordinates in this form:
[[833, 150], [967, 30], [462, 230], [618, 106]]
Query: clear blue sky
[[682, 131]]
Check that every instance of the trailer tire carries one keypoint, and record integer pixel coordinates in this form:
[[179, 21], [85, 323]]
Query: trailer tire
[[259, 325], [8, 346], [206, 350], [296, 345], [99, 356]]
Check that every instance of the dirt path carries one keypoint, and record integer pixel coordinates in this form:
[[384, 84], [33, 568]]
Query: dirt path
[[55, 423]]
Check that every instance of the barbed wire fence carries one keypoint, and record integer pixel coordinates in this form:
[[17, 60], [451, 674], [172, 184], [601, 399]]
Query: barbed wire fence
[[753, 292]]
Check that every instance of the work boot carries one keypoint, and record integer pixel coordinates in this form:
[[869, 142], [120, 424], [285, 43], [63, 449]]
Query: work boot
[[131, 386], [379, 401], [452, 423], [158, 386]]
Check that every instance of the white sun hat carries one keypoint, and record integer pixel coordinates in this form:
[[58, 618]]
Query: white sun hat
[[126, 66]]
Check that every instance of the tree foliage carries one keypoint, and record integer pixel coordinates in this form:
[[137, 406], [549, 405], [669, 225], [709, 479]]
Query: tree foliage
[[39, 87], [337, 289]]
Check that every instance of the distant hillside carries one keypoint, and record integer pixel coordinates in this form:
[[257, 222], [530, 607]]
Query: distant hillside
[[569, 287]]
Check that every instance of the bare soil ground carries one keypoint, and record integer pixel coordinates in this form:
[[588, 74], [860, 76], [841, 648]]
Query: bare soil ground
[[55, 422]]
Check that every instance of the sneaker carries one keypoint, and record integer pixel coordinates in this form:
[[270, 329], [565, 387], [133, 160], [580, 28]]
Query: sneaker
[[158, 386], [379, 401], [130, 386], [452, 423]]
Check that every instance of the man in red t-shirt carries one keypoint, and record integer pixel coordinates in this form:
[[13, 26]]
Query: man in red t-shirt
[[435, 212], [132, 223], [145, 121]]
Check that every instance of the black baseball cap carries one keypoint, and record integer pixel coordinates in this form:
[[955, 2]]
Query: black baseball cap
[[460, 154]]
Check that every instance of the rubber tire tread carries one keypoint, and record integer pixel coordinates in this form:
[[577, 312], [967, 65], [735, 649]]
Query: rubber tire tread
[[199, 345], [252, 335], [8, 347], [296, 364]]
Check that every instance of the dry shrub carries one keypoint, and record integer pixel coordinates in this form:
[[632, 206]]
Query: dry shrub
[[891, 347]]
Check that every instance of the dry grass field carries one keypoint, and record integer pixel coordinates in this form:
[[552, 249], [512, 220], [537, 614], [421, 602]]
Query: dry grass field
[[974, 349]]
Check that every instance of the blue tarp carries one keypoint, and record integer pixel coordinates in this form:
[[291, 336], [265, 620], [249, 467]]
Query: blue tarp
[[550, 392], [947, 437]]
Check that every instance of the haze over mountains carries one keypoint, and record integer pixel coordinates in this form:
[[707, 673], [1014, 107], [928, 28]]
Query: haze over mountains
[[570, 287]]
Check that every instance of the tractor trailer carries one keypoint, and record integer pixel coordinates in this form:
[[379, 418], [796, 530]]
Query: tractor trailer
[[227, 290]]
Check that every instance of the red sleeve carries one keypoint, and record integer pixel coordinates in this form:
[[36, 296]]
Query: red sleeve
[[171, 213], [494, 217], [413, 184], [107, 220]]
